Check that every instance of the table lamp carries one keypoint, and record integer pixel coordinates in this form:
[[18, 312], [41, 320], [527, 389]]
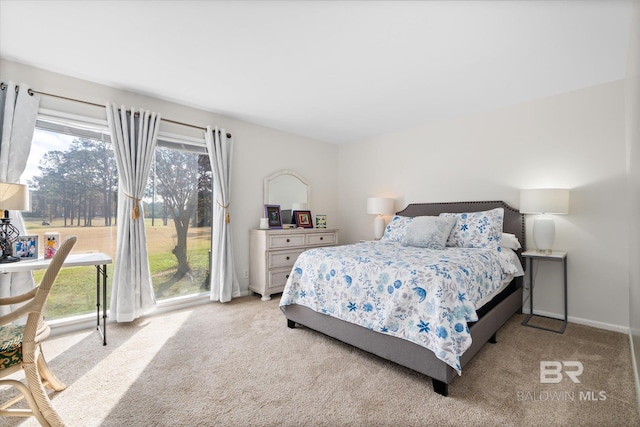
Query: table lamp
[[544, 201], [13, 197], [379, 206]]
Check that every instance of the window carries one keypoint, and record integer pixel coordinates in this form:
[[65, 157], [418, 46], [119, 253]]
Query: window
[[179, 222], [72, 176]]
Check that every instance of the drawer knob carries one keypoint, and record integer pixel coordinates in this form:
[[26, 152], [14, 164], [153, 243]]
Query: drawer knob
[[287, 258], [322, 238], [288, 240], [287, 276]]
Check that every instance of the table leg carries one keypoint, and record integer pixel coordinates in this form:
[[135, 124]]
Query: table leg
[[104, 304], [530, 287], [566, 292], [98, 297], [103, 330]]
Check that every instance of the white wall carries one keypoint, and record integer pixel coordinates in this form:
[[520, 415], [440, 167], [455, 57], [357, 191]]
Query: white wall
[[575, 140], [633, 150], [258, 151]]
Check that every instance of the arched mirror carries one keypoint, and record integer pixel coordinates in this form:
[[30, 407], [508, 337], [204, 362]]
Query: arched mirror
[[289, 190]]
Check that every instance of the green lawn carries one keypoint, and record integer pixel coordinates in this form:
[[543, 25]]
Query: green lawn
[[74, 292]]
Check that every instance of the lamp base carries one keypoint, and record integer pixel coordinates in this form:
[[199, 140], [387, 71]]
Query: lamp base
[[378, 227], [8, 235], [544, 233], [5, 259]]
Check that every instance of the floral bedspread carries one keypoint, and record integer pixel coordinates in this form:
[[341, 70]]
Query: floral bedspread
[[422, 295]]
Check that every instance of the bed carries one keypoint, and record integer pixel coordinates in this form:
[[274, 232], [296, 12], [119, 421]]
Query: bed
[[453, 334]]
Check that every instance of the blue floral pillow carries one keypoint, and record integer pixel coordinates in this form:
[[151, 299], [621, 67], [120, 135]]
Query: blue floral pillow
[[396, 229], [476, 229], [429, 232]]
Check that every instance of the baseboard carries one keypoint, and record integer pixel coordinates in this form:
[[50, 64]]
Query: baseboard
[[581, 321], [88, 321], [636, 375]]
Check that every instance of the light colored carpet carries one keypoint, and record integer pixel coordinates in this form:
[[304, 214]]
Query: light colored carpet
[[237, 364]]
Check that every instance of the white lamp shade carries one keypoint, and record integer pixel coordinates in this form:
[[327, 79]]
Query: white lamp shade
[[14, 197], [379, 206], [544, 200]]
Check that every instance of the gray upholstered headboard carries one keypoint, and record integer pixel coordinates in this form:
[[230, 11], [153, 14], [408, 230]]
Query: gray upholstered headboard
[[513, 219]]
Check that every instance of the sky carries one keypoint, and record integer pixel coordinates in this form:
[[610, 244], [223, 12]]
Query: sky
[[43, 142]]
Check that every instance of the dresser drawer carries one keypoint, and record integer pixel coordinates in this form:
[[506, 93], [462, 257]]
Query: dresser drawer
[[278, 278], [282, 258], [273, 253], [321, 239], [285, 241]]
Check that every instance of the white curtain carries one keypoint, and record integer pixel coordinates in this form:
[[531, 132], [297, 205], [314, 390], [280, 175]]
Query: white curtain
[[134, 136], [18, 113], [224, 281]]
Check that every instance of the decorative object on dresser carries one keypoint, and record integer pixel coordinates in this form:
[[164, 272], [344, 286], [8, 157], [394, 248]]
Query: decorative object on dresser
[[379, 206], [321, 221], [544, 201], [272, 212], [272, 254], [294, 208], [303, 219], [264, 223], [13, 197]]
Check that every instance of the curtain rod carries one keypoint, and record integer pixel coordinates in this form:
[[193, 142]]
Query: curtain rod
[[3, 86]]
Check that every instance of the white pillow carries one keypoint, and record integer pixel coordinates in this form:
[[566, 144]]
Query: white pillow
[[395, 230], [510, 241], [476, 229], [428, 232]]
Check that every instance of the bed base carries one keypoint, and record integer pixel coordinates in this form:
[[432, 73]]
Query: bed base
[[406, 353], [410, 355]]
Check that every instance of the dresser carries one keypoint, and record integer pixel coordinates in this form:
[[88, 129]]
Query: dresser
[[273, 252]]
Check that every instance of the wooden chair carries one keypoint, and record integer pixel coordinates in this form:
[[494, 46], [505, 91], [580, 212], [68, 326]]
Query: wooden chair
[[20, 348]]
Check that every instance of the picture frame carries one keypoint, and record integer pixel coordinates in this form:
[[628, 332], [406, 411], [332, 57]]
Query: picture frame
[[26, 248], [272, 213], [303, 219], [321, 221]]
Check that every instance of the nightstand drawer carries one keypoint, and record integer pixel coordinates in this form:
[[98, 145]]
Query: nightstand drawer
[[278, 278], [285, 241], [282, 258], [324, 239]]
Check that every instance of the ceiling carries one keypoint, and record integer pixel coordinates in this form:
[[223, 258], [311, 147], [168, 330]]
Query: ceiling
[[334, 71]]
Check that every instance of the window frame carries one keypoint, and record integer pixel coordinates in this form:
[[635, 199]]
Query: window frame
[[98, 129]]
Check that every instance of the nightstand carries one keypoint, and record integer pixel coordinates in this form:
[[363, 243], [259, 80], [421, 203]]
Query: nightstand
[[560, 256]]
